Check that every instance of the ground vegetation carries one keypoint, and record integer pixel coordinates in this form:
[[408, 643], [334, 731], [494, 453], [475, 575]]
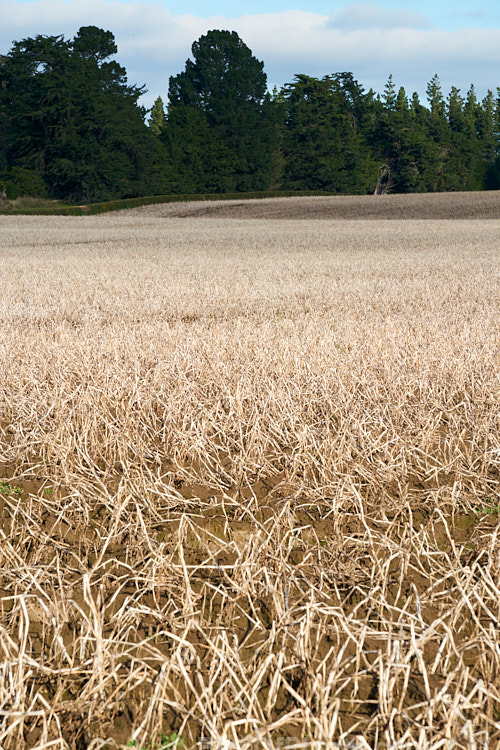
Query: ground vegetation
[[249, 485]]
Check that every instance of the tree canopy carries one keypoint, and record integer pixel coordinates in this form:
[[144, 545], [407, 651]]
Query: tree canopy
[[221, 99], [68, 113], [71, 127], [324, 145]]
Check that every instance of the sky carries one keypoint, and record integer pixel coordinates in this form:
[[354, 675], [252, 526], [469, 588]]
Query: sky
[[410, 39]]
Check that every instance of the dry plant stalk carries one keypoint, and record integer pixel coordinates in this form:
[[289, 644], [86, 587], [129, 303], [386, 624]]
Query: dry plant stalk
[[249, 483]]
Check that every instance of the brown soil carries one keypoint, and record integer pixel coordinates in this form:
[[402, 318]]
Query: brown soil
[[98, 587], [249, 483], [478, 205]]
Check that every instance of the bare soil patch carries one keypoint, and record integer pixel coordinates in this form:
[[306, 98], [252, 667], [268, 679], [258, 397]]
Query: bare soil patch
[[480, 205]]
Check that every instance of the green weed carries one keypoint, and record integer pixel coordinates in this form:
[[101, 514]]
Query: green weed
[[167, 742], [7, 489], [489, 507]]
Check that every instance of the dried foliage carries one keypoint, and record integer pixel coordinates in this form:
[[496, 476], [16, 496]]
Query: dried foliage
[[250, 483]]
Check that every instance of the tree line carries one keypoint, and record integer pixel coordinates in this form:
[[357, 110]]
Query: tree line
[[71, 127]]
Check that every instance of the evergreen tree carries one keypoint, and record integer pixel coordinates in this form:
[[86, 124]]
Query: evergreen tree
[[473, 153], [71, 116], [427, 151], [456, 167], [492, 177], [222, 94], [397, 142], [438, 130], [486, 125], [71, 127], [464, 164], [389, 97], [193, 150], [324, 146], [438, 125]]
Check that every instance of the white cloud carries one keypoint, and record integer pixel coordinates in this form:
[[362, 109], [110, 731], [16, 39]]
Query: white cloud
[[153, 44]]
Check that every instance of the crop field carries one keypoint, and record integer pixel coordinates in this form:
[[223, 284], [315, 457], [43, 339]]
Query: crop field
[[250, 478]]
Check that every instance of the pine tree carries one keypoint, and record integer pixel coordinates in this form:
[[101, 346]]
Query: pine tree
[[486, 129], [464, 165], [438, 130], [225, 87], [437, 122], [490, 128], [389, 95]]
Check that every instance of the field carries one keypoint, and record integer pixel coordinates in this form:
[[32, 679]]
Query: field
[[250, 476]]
